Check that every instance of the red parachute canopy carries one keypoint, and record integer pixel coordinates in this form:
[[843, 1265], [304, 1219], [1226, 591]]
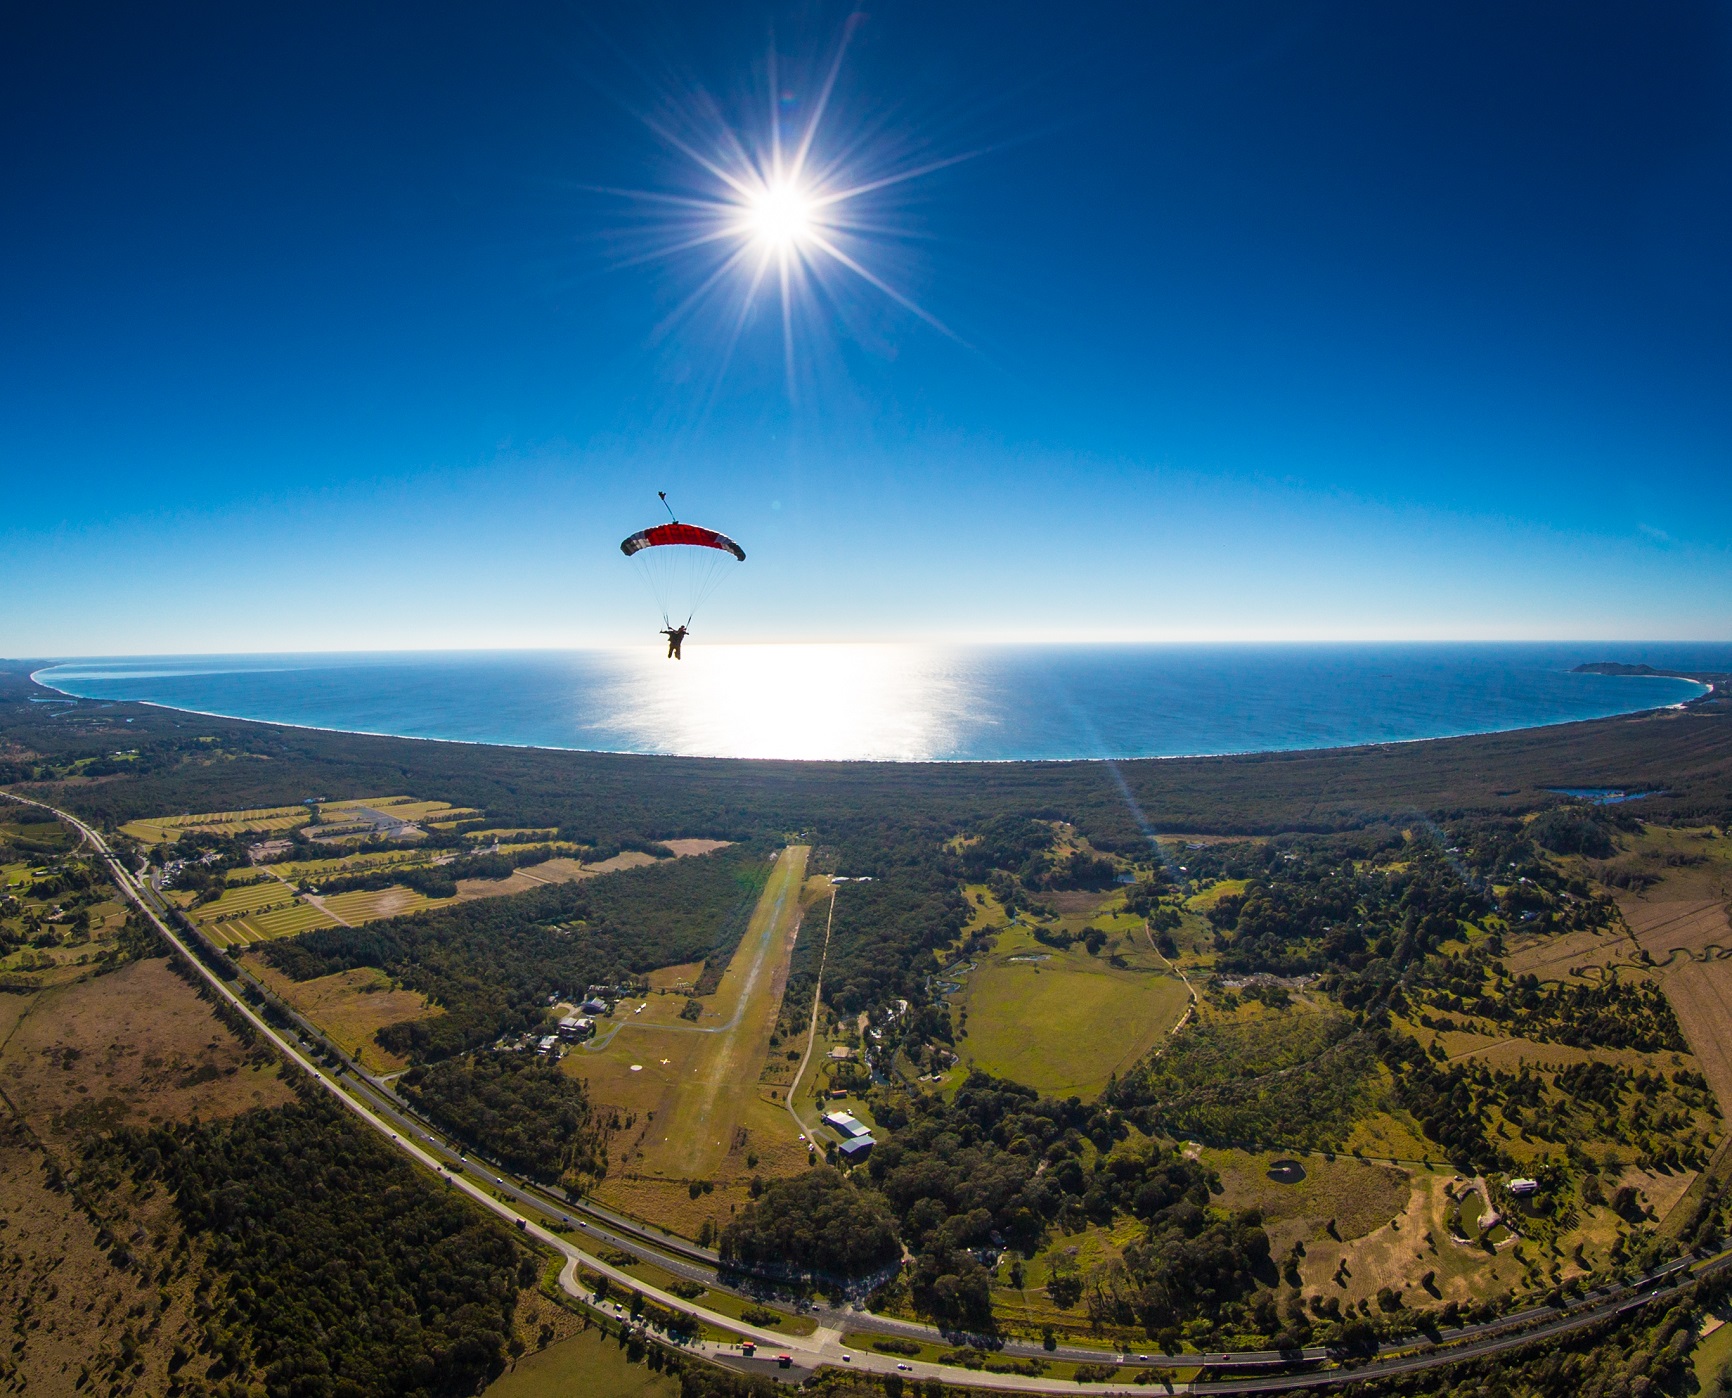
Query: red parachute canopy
[[683, 564], [694, 535]]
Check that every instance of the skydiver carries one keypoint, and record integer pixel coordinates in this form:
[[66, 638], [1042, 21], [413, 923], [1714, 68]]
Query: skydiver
[[676, 636]]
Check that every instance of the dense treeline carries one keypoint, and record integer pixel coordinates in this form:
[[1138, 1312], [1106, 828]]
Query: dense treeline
[[815, 1221], [999, 1165], [1297, 1080], [491, 964], [343, 1272], [884, 932], [518, 1108]]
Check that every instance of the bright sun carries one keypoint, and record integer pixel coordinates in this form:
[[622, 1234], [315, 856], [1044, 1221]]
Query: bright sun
[[779, 215]]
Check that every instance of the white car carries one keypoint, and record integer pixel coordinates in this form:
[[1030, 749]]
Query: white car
[[906, 1368]]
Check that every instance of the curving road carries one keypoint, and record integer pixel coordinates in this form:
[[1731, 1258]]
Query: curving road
[[525, 1206]]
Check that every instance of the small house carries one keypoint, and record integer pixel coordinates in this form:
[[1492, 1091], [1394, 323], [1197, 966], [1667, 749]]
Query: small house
[[549, 1044], [1521, 1186]]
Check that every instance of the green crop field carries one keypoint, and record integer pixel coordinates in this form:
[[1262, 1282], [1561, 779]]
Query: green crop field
[[368, 905], [157, 830], [1066, 1023]]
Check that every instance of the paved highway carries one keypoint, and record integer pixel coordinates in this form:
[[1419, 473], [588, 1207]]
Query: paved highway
[[530, 1209]]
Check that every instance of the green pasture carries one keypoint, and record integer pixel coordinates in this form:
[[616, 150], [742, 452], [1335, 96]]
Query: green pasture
[[587, 1364], [1713, 1351], [1213, 894], [1067, 1023]]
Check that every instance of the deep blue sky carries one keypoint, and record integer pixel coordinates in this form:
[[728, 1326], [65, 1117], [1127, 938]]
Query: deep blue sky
[[1267, 320]]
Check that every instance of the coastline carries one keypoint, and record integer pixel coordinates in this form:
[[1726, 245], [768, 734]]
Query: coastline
[[1708, 691]]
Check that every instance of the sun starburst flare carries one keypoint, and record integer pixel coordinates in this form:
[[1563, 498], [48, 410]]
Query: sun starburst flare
[[778, 218]]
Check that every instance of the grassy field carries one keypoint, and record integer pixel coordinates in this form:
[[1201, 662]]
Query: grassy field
[[1713, 1350], [585, 1364], [695, 1095], [156, 830], [351, 1007], [1064, 1023]]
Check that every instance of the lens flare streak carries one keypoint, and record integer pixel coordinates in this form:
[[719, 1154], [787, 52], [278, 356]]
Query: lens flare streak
[[781, 219]]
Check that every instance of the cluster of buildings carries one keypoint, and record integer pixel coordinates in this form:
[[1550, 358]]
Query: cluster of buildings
[[857, 1142], [575, 1028]]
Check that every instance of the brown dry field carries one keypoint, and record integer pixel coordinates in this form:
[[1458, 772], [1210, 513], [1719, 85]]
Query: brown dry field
[[676, 977], [1668, 928], [72, 1308], [134, 1046], [1681, 923], [1553, 958], [1360, 1196], [1402, 1249], [131, 1047], [351, 1006], [1701, 996], [685, 847]]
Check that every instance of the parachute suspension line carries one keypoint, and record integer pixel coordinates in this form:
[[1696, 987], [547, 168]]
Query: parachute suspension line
[[682, 563]]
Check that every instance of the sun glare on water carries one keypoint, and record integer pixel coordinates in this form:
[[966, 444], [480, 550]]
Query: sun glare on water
[[805, 702]]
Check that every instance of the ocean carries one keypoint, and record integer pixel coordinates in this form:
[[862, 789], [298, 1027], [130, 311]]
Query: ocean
[[915, 702]]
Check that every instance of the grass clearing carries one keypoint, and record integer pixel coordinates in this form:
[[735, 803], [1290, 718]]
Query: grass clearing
[[1044, 1022], [700, 1112], [1713, 1350], [351, 1007], [586, 1364], [1357, 1196]]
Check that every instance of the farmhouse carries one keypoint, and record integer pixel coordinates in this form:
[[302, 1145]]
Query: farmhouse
[[1521, 1186]]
